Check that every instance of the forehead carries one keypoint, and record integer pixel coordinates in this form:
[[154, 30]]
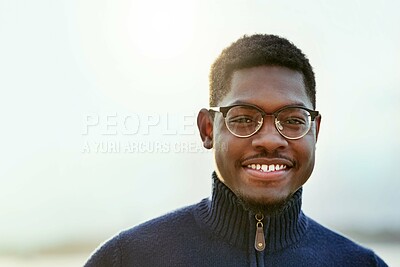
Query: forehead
[[269, 87]]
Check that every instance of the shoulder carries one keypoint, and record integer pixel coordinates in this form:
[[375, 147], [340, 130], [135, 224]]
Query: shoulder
[[165, 225], [138, 242], [336, 246]]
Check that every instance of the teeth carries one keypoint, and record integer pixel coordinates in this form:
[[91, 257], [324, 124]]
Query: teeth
[[267, 168], [271, 168]]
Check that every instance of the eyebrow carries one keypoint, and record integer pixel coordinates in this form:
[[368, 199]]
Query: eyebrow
[[239, 102]]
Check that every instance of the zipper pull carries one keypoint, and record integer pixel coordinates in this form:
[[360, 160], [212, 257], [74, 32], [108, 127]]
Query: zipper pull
[[259, 243]]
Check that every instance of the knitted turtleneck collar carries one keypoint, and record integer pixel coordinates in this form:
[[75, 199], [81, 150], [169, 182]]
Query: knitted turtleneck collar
[[227, 219]]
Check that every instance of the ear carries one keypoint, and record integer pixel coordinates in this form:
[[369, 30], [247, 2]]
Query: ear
[[205, 125], [317, 125]]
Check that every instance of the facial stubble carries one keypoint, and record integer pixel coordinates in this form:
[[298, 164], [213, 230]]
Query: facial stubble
[[262, 204]]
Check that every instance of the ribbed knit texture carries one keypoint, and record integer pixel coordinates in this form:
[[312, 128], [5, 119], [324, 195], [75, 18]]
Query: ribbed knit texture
[[220, 232], [225, 216]]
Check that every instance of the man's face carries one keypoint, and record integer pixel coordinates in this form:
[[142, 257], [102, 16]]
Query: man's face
[[269, 88]]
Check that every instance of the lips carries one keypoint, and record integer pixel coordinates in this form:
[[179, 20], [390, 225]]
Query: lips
[[266, 165]]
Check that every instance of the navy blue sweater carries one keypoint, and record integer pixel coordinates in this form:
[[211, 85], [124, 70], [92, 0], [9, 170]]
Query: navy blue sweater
[[220, 232]]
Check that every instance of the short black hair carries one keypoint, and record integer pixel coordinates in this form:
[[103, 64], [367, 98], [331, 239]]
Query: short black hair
[[258, 50]]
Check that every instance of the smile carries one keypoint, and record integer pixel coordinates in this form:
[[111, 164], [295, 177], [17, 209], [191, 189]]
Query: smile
[[267, 168]]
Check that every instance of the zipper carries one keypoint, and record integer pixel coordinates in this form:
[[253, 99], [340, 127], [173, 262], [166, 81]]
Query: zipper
[[259, 242]]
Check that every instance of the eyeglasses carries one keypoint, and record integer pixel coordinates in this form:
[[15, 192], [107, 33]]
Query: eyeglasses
[[292, 122]]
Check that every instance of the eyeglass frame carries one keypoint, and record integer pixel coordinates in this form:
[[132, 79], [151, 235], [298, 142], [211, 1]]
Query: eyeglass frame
[[225, 110]]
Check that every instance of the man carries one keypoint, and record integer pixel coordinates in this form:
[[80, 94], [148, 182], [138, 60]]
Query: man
[[263, 128]]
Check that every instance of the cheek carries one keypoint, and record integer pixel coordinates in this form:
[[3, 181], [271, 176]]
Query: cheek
[[220, 144], [221, 138], [223, 148], [306, 153], [228, 150]]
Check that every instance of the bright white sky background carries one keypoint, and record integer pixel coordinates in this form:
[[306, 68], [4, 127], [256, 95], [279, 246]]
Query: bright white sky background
[[137, 73]]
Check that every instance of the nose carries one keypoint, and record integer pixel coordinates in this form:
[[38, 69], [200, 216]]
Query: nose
[[268, 138]]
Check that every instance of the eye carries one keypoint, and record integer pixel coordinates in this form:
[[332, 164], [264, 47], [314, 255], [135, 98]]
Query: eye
[[294, 121], [241, 119]]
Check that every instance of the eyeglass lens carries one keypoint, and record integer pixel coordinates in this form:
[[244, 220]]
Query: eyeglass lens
[[244, 121]]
